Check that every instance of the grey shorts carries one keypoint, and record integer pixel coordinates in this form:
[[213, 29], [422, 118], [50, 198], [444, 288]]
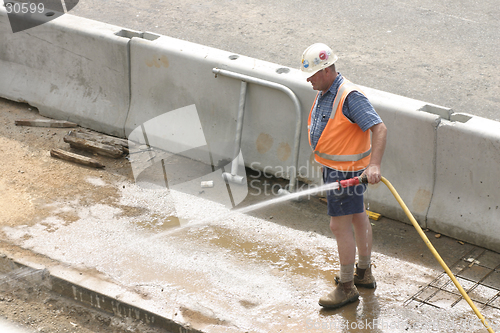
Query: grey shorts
[[343, 201]]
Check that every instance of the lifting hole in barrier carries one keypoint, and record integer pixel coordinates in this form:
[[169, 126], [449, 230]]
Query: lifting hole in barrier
[[283, 70], [234, 57], [50, 14], [137, 34], [8, 3]]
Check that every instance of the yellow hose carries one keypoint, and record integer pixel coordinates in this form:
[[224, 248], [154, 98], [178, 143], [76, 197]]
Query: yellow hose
[[436, 254]]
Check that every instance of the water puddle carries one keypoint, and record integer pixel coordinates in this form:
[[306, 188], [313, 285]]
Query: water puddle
[[281, 259]]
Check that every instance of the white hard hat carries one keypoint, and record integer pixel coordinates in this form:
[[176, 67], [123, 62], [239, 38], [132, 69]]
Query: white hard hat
[[315, 58]]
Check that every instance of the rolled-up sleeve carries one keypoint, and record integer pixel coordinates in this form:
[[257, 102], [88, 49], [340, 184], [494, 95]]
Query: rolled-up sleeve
[[359, 110]]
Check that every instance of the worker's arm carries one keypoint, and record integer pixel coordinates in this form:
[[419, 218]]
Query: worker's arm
[[379, 135]]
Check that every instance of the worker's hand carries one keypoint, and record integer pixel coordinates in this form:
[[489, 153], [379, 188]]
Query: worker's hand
[[372, 173]]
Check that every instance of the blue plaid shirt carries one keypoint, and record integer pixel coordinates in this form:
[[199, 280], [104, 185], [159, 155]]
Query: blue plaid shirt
[[356, 108]]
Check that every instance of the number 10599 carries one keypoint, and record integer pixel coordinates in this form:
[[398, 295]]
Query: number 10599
[[24, 8]]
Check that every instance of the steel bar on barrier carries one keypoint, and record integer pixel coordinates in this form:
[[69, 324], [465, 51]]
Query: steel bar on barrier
[[296, 103], [239, 127]]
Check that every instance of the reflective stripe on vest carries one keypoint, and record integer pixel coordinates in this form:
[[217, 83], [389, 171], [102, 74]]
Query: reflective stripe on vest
[[344, 158]]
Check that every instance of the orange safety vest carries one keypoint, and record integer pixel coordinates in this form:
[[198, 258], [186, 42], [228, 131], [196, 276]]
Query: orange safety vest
[[343, 145]]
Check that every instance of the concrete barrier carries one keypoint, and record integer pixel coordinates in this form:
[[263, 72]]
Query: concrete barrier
[[409, 157], [465, 203], [69, 68], [168, 74]]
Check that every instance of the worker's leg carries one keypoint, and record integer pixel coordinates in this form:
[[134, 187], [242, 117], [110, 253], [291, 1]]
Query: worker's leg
[[341, 227], [363, 233], [342, 204], [345, 291]]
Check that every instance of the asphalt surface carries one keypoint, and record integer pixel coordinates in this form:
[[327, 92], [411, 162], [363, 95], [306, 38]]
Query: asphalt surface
[[444, 52]]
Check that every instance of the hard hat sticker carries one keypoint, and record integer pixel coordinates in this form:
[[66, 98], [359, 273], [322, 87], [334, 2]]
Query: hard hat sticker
[[323, 55], [305, 63]]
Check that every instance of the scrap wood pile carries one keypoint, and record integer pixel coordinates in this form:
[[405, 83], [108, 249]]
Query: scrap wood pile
[[82, 139]]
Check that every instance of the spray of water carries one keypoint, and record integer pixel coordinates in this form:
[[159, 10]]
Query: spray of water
[[287, 197], [243, 210]]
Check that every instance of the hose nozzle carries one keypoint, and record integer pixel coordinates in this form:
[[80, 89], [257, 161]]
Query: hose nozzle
[[354, 181]]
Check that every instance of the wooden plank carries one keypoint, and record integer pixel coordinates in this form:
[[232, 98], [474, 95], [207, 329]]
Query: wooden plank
[[45, 123], [99, 137], [65, 155], [92, 146]]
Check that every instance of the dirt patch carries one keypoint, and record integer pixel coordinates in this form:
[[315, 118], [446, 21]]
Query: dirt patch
[[33, 186], [32, 180]]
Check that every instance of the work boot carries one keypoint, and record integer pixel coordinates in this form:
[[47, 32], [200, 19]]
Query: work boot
[[363, 278], [344, 293]]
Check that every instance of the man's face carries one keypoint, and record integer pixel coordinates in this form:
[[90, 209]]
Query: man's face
[[319, 80]]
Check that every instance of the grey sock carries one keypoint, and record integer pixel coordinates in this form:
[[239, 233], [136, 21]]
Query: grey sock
[[364, 262], [346, 273]]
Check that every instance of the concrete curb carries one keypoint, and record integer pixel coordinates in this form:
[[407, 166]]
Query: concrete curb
[[90, 291]]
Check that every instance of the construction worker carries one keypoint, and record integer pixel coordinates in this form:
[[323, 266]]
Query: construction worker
[[340, 123]]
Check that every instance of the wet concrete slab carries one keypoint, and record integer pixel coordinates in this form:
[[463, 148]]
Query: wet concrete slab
[[199, 264]]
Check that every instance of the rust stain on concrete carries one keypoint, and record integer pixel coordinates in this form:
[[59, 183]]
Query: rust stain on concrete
[[264, 143], [284, 151], [421, 200], [158, 62], [164, 61]]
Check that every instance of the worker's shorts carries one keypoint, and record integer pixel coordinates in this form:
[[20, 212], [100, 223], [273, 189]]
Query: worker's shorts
[[343, 201]]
